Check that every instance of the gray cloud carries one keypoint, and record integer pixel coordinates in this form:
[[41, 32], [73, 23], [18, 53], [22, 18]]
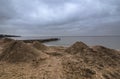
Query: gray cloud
[[60, 17]]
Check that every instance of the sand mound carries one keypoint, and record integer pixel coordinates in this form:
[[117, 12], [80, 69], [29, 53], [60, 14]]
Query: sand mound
[[81, 62], [109, 56], [7, 40], [39, 46], [77, 68], [97, 62], [98, 54], [76, 48], [18, 51]]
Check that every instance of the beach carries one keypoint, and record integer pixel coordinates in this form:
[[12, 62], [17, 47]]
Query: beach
[[59, 39], [35, 60]]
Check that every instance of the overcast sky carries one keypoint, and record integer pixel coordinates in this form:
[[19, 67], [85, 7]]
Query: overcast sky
[[60, 17]]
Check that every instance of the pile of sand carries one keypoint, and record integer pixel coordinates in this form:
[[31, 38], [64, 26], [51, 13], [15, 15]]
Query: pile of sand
[[39, 46], [78, 61], [107, 54], [18, 51], [96, 54], [91, 63], [6, 40], [76, 48]]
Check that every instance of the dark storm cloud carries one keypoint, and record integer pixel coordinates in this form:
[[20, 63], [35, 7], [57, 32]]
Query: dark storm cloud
[[60, 17]]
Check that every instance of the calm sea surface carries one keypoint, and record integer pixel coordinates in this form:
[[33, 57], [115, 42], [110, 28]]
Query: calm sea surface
[[108, 41]]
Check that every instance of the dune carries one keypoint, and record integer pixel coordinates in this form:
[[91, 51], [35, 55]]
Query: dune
[[20, 60], [76, 48], [18, 51], [97, 62]]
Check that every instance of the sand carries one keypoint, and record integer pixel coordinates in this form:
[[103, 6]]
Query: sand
[[19, 60]]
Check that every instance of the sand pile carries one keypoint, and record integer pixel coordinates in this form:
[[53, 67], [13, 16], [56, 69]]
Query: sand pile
[[91, 63], [76, 48], [6, 40], [76, 68], [39, 46], [78, 61], [18, 51], [107, 56], [96, 54], [110, 52]]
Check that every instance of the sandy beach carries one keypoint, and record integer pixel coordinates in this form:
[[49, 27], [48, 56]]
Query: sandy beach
[[20, 60], [59, 39]]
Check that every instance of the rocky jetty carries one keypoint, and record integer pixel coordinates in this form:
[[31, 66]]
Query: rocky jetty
[[41, 40]]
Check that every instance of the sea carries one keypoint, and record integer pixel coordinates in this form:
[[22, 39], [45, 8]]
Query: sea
[[112, 42]]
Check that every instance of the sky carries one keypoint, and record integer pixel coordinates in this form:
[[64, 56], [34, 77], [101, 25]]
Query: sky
[[60, 17]]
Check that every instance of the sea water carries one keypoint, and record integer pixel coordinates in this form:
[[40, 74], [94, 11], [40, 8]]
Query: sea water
[[107, 41]]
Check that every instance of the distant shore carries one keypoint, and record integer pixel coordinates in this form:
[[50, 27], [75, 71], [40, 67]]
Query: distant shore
[[3, 36]]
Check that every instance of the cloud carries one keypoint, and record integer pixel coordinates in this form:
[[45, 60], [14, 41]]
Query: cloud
[[59, 17]]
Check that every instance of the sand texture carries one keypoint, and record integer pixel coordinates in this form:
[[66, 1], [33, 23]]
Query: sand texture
[[20, 60]]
